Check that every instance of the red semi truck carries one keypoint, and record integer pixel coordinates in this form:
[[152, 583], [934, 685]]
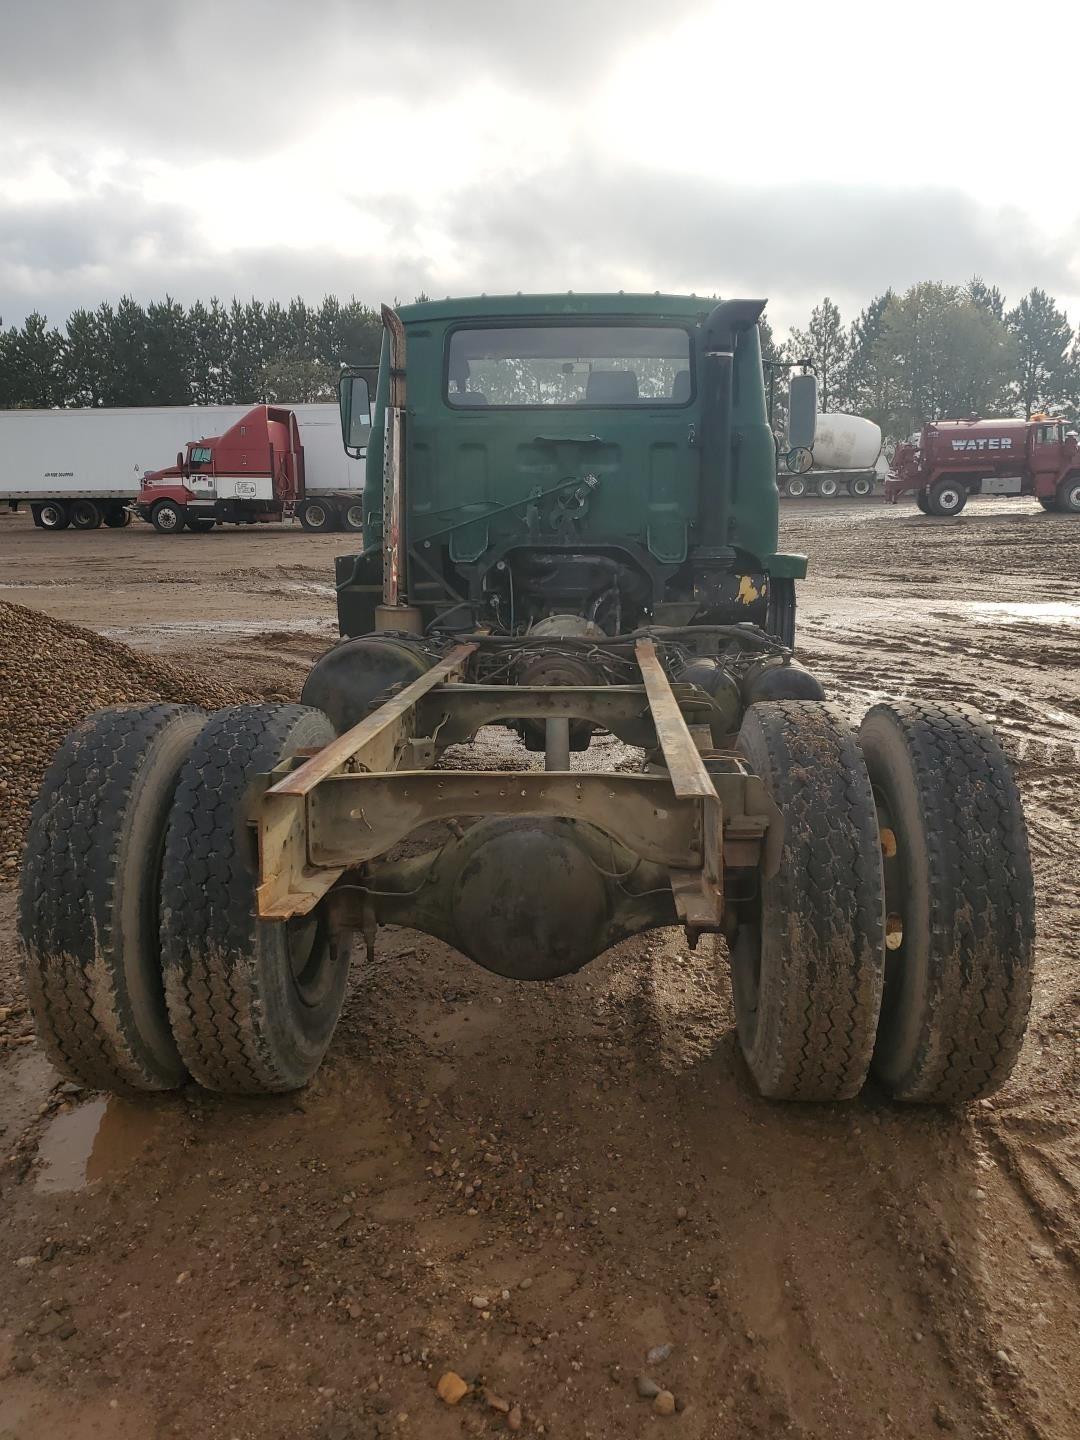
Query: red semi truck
[[252, 473], [949, 460]]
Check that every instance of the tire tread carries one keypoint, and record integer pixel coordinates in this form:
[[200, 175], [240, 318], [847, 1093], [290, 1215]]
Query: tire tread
[[67, 902], [828, 899], [982, 904]]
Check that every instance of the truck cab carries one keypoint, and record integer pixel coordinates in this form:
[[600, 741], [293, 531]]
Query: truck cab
[[604, 456], [252, 471]]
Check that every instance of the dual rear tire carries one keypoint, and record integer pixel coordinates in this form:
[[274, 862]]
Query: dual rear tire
[[144, 961], [897, 934], [322, 516], [894, 932], [252, 1003]]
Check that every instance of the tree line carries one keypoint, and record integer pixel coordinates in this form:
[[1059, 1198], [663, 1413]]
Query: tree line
[[939, 351], [166, 354], [933, 351]]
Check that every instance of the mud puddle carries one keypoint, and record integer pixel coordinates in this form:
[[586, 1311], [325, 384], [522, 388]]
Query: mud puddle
[[99, 1138], [1041, 612]]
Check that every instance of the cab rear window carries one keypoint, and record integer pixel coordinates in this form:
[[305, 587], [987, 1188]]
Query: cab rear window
[[568, 365]]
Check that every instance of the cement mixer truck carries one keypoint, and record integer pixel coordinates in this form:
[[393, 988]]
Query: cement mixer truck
[[846, 459]]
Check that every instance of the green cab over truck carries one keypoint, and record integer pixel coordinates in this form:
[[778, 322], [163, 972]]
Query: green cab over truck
[[570, 530], [606, 453]]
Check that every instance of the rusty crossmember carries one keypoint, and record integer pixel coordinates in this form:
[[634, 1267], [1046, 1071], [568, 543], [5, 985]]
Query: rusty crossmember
[[371, 788], [453, 713]]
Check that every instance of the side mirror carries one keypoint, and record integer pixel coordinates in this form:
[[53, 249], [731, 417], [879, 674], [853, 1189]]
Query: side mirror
[[355, 409], [179, 459], [802, 412]]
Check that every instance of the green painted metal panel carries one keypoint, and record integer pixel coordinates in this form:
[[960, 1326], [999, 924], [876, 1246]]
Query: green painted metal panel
[[485, 477]]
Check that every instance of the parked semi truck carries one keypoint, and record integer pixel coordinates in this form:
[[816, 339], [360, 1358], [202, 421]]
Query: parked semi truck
[[845, 460], [255, 471], [84, 468], [950, 460]]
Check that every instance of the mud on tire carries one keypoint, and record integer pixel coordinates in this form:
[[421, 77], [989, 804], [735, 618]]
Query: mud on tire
[[253, 1003], [960, 889], [807, 959], [88, 903]]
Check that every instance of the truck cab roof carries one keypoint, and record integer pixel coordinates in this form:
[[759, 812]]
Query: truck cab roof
[[477, 307]]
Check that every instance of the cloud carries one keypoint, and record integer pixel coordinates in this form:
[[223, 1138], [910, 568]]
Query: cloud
[[356, 146], [597, 227], [194, 75], [588, 225]]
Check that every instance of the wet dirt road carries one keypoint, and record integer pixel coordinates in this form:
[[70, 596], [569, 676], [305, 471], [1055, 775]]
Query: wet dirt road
[[587, 1158]]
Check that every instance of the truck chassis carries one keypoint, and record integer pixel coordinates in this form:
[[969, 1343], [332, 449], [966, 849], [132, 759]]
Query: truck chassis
[[369, 789], [191, 884]]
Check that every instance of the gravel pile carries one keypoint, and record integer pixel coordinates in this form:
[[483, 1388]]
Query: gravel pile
[[52, 675]]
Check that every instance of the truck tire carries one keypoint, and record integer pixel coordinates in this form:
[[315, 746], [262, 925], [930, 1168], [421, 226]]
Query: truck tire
[[959, 899], [922, 502], [807, 958], [1048, 502], [828, 487], [946, 497], [167, 517], [85, 515], [780, 612], [796, 487], [51, 515], [859, 487], [352, 516], [117, 517], [318, 516], [88, 903], [253, 1003], [200, 526], [1068, 495]]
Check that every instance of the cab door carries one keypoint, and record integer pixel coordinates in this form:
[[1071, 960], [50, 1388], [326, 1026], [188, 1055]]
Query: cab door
[[1046, 444]]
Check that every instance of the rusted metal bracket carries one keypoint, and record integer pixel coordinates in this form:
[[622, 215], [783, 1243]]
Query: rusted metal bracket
[[348, 805], [289, 883]]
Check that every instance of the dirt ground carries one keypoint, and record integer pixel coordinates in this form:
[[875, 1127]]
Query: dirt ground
[[553, 1190]]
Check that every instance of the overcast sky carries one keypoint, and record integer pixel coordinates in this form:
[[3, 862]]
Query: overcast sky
[[377, 149]]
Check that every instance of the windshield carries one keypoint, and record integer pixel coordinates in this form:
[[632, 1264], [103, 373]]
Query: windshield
[[569, 365]]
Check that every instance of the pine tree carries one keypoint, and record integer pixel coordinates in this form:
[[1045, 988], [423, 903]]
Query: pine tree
[[7, 368], [247, 352], [36, 356], [986, 297], [208, 353], [130, 382], [1046, 372], [361, 334], [168, 353], [825, 343], [863, 391], [82, 367]]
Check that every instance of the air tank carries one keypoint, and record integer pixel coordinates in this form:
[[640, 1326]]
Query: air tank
[[846, 442]]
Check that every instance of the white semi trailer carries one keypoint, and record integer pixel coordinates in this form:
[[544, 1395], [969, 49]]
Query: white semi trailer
[[84, 467]]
